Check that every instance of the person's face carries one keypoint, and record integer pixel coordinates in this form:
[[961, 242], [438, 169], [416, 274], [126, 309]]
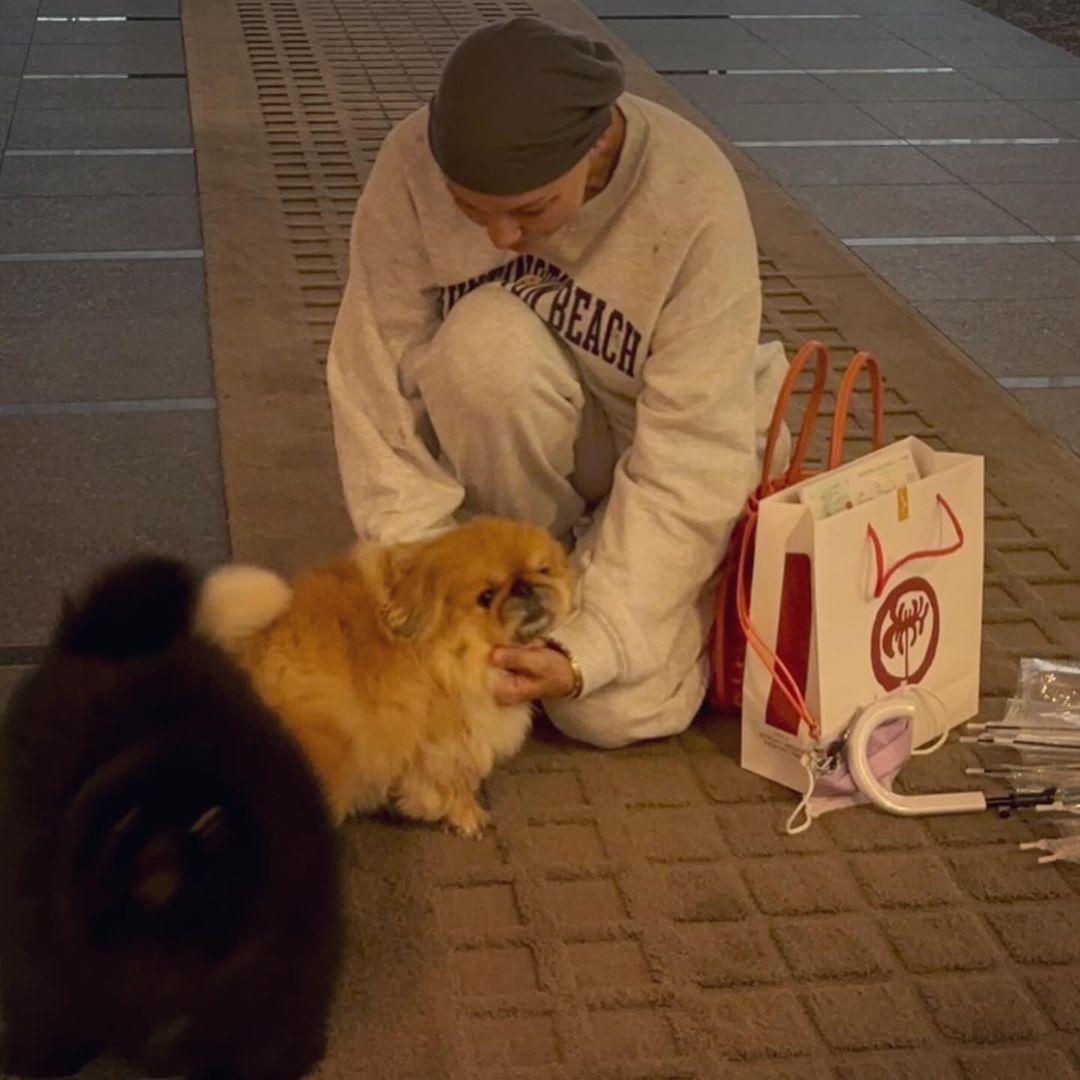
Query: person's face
[[514, 221]]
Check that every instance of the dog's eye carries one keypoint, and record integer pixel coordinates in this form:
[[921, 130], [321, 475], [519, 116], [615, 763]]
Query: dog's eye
[[544, 570], [486, 598]]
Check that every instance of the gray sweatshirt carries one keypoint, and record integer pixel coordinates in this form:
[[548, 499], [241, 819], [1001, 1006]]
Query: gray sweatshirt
[[654, 286]]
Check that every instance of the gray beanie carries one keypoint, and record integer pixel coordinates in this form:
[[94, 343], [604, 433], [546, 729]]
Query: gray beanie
[[519, 104]]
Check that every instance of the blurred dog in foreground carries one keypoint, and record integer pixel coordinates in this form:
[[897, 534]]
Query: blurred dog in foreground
[[169, 884], [380, 662]]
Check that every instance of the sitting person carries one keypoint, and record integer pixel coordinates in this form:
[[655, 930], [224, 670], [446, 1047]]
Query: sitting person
[[552, 313]]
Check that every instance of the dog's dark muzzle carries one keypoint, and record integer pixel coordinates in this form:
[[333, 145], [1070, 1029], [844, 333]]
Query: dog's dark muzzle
[[530, 607]]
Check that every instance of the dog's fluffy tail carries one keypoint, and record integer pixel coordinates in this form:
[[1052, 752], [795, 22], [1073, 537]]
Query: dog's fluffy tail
[[237, 601], [134, 608]]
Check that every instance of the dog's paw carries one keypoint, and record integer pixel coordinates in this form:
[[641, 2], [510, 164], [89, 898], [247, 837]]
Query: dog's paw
[[469, 820]]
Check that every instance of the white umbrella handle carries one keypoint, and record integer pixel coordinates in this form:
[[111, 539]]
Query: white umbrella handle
[[858, 744]]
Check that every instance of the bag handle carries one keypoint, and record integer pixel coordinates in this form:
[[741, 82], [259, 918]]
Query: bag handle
[[862, 361], [884, 575], [820, 355]]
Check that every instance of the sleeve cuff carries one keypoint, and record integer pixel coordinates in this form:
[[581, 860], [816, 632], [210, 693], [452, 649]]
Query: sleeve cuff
[[586, 637]]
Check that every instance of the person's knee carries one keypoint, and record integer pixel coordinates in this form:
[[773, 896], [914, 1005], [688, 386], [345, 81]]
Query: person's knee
[[494, 354], [618, 715], [589, 721]]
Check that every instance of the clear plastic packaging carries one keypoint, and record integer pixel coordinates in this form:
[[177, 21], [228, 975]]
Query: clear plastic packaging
[[1055, 682], [1024, 777], [1065, 740], [1059, 848], [1025, 713], [1065, 847], [1047, 755], [1066, 801], [1042, 722], [1032, 712], [1065, 772], [1035, 748]]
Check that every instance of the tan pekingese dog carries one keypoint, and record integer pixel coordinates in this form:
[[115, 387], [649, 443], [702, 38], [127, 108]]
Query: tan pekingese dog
[[379, 662]]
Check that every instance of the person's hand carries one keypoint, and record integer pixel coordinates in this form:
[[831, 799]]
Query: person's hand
[[530, 672]]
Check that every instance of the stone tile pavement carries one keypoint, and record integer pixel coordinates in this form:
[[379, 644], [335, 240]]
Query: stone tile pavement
[[107, 410], [633, 915]]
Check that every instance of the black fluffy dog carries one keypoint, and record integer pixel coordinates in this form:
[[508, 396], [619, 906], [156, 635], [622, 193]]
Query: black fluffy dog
[[169, 882]]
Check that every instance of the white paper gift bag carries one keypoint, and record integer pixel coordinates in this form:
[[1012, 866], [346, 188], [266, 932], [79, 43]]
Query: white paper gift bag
[[847, 607]]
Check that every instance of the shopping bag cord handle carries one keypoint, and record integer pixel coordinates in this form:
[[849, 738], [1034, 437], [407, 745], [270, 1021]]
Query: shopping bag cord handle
[[884, 575]]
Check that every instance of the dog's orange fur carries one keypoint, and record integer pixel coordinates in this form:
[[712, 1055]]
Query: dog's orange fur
[[380, 665]]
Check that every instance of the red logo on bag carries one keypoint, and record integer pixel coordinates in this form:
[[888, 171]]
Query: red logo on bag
[[904, 640]]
